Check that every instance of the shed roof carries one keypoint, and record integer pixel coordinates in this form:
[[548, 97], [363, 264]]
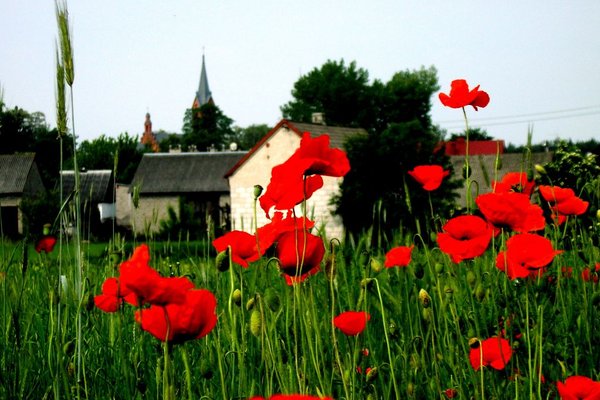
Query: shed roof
[[96, 185], [14, 170], [337, 136], [193, 172]]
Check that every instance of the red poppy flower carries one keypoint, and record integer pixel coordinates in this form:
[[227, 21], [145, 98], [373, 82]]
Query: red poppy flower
[[514, 182], [525, 253], [494, 352], [352, 323], [579, 388], [299, 252], [300, 176], [398, 256], [192, 319], [113, 296], [465, 237], [451, 393], [563, 202], [429, 176], [460, 96], [45, 244], [269, 234], [589, 274], [147, 284], [292, 280], [288, 187], [243, 247], [511, 210]]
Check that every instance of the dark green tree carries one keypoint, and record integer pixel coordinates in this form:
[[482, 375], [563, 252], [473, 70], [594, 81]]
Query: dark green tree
[[341, 92], [206, 128], [401, 136], [102, 152], [247, 137]]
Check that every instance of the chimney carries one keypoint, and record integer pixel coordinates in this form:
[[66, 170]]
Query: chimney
[[318, 118]]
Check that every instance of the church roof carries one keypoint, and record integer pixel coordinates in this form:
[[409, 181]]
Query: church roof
[[203, 95]]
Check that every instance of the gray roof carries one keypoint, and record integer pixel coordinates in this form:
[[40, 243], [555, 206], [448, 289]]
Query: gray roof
[[337, 134], [193, 172], [16, 171], [96, 185]]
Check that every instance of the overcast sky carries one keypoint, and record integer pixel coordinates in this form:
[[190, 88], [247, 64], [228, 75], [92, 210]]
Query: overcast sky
[[538, 60]]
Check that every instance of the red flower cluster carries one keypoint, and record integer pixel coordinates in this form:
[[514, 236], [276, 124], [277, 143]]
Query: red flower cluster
[[511, 210], [465, 237], [352, 323], [177, 311], [514, 182], [299, 252], [301, 175], [579, 388], [398, 256], [563, 202], [429, 176], [460, 96], [591, 274], [494, 352], [526, 255]]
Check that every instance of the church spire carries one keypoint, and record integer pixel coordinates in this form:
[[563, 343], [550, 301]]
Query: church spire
[[203, 95]]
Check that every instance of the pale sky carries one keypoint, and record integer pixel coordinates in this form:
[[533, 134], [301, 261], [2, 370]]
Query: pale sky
[[538, 60]]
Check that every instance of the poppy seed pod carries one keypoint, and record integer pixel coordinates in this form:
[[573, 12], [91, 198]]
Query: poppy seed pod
[[222, 260], [257, 191], [236, 296]]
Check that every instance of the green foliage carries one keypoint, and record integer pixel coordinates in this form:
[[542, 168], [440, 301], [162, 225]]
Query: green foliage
[[101, 153], [190, 221], [206, 127], [40, 210], [379, 177], [247, 137], [474, 134]]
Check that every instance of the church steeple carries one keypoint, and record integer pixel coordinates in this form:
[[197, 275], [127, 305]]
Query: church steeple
[[203, 95]]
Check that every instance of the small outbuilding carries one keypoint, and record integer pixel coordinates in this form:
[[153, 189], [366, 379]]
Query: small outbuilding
[[19, 180]]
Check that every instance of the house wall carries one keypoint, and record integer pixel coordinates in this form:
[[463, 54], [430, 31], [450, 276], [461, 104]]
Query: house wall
[[257, 171], [12, 203], [123, 205], [151, 210]]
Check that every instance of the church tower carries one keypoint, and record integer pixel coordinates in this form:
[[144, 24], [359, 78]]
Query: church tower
[[203, 95], [148, 138]]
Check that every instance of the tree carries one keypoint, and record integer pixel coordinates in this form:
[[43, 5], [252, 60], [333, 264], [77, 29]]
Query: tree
[[102, 152], [397, 118], [341, 92], [206, 128], [474, 134], [247, 137]]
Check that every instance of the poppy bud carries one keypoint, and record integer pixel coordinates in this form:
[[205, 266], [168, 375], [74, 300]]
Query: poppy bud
[[236, 296], [366, 283], [424, 298], [427, 314], [371, 374], [255, 322], [257, 191], [222, 260], [68, 348], [365, 352], [471, 278], [439, 268], [466, 171], [272, 299], [410, 389], [46, 229], [449, 291], [474, 343], [598, 215], [414, 361], [250, 304], [540, 169], [206, 368], [480, 292], [376, 265]]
